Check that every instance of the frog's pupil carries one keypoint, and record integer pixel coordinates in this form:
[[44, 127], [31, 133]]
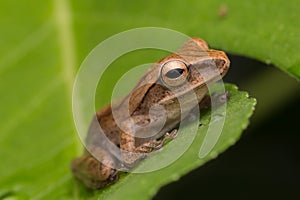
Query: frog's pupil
[[174, 73]]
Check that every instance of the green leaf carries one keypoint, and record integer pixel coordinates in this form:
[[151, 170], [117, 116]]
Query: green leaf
[[43, 44], [239, 108]]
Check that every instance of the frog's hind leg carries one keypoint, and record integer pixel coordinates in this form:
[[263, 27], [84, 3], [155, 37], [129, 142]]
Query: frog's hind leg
[[93, 173]]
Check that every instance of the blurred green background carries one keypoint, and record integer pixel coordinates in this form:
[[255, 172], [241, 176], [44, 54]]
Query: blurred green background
[[42, 44]]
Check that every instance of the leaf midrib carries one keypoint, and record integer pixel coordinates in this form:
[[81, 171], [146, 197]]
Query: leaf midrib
[[63, 17]]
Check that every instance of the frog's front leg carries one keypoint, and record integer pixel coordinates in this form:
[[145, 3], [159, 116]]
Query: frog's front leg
[[92, 172], [132, 153]]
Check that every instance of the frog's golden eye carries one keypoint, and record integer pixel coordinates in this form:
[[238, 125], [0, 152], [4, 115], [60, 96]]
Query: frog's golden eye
[[174, 73]]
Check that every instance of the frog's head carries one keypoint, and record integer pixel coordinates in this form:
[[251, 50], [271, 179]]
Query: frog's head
[[193, 66]]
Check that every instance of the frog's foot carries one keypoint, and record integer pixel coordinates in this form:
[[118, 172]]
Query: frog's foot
[[93, 173], [171, 135], [156, 144], [132, 157], [218, 99]]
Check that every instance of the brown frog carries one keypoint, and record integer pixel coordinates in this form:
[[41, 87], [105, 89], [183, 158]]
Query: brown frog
[[175, 78]]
